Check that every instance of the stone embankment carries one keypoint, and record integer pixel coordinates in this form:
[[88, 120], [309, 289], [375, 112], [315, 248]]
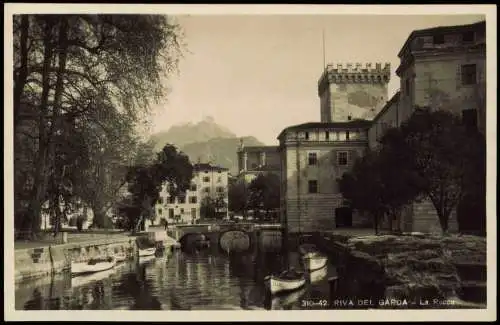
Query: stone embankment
[[412, 267], [38, 262]]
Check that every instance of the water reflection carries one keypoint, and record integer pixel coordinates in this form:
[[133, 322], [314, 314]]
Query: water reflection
[[194, 280]]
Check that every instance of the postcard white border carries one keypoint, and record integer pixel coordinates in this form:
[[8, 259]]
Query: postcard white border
[[336, 315]]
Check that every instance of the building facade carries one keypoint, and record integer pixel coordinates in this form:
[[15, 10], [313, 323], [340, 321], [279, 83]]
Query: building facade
[[441, 68], [313, 158], [353, 91], [255, 160], [208, 181], [445, 68], [315, 155]]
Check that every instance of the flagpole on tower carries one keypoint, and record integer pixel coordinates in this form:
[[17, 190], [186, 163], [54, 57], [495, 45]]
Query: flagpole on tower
[[324, 50]]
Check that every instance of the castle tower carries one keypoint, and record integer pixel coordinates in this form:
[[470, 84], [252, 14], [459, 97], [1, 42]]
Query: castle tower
[[353, 91], [242, 157]]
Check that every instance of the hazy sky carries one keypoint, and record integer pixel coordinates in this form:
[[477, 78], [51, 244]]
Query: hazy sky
[[257, 75]]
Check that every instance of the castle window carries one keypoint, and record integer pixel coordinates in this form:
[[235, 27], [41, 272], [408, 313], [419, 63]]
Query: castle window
[[206, 179], [469, 74], [160, 200], [193, 187], [313, 186], [207, 190], [468, 37], [182, 199], [342, 158], [182, 210], [327, 135], [347, 135], [307, 135], [171, 199], [438, 39], [220, 189], [219, 179], [160, 211], [313, 158], [192, 199]]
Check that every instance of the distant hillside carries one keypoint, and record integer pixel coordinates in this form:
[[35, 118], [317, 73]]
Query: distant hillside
[[205, 141], [220, 151], [183, 134]]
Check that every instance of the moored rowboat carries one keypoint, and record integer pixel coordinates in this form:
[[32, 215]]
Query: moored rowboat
[[318, 275], [120, 257], [92, 266], [147, 251], [82, 280], [285, 300], [314, 261], [289, 280]]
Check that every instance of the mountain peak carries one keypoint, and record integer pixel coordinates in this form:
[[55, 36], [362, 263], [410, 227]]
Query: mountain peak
[[208, 119], [204, 140]]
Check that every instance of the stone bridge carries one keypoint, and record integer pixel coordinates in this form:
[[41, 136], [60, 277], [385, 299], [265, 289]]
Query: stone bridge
[[246, 235]]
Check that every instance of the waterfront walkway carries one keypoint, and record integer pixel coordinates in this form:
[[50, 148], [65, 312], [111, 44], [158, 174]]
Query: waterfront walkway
[[73, 238]]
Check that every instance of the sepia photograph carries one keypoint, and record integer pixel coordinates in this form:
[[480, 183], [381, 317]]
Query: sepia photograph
[[299, 163]]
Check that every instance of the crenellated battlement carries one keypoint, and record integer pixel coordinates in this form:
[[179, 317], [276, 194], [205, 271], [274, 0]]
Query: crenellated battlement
[[356, 73], [359, 68]]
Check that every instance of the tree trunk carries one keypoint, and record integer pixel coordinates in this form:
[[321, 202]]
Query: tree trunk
[[40, 179], [57, 216], [62, 56], [22, 75], [443, 214], [99, 216]]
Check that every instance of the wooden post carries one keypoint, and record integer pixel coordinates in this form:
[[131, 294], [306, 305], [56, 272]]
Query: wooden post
[[334, 287]]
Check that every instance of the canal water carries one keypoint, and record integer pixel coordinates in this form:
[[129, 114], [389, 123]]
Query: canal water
[[196, 280]]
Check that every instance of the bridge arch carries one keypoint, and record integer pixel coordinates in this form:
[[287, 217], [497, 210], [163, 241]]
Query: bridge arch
[[235, 240]]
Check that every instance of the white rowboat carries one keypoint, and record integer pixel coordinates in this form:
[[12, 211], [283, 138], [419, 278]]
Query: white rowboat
[[93, 266], [120, 257], [314, 261], [82, 280], [318, 275], [147, 251], [145, 259], [283, 301], [287, 281]]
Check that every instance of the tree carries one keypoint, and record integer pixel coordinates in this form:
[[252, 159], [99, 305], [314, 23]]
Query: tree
[[171, 167], [73, 75], [207, 208], [440, 153], [362, 187], [238, 196], [400, 185], [264, 193], [379, 182], [220, 204]]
